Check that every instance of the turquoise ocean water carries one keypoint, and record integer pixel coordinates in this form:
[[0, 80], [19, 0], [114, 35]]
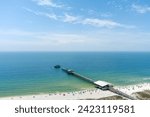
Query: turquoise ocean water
[[23, 73]]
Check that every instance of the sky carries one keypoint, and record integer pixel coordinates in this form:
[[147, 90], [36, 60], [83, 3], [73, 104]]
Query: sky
[[75, 25]]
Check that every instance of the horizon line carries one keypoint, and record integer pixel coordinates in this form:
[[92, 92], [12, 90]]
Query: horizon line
[[73, 51]]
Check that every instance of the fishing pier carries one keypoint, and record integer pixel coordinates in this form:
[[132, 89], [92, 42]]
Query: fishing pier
[[98, 84]]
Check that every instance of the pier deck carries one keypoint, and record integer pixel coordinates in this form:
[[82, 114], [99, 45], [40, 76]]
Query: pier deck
[[99, 84]]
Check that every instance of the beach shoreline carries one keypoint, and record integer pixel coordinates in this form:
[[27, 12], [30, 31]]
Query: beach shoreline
[[84, 94]]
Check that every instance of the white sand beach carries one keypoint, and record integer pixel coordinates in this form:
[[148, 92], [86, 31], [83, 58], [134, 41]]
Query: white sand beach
[[134, 88], [84, 94]]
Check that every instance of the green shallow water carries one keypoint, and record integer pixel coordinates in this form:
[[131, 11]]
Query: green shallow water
[[32, 72]]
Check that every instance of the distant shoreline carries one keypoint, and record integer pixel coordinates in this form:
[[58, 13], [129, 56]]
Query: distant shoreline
[[134, 90]]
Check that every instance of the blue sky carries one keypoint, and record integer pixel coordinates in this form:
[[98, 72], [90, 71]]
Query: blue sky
[[75, 25]]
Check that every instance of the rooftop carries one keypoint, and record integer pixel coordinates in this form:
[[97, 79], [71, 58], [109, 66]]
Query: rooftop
[[102, 83]]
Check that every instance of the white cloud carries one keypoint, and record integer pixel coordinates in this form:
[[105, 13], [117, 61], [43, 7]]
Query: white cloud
[[70, 18], [39, 41], [31, 11], [48, 3], [104, 40], [44, 37], [141, 9], [96, 22], [101, 23], [67, 41], [15, 32], [49, 15], [61, 39]]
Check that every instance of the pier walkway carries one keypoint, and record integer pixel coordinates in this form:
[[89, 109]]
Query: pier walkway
[[99, 84]]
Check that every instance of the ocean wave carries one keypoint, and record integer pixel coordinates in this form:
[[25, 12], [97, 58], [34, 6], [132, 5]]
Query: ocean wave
[[146, 78]]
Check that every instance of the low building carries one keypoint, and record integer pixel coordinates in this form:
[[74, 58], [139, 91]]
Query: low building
[[103, 85]]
